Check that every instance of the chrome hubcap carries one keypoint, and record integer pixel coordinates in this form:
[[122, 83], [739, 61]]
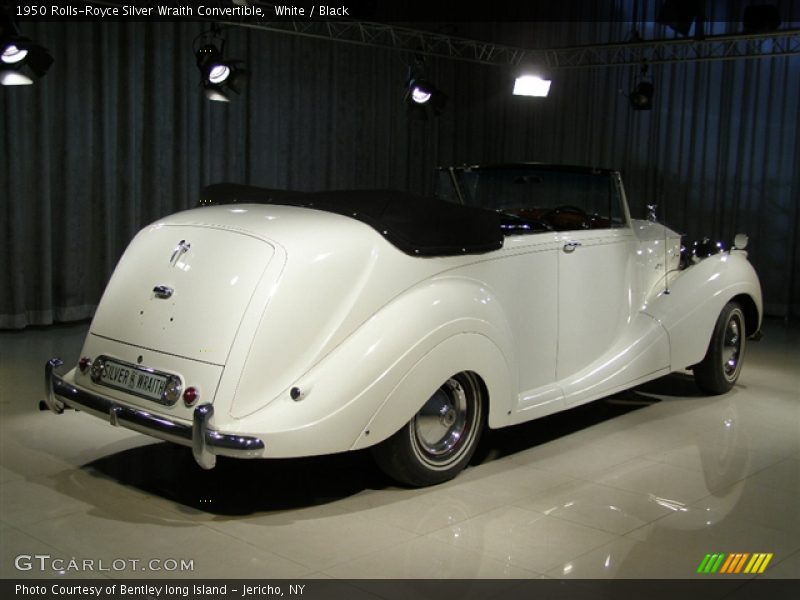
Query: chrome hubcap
[[442, 422], [731, 347]]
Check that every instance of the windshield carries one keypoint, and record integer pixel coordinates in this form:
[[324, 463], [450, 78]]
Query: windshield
[[557, 197]]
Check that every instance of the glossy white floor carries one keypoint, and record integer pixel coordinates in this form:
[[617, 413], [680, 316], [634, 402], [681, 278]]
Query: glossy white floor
[[640, 485]]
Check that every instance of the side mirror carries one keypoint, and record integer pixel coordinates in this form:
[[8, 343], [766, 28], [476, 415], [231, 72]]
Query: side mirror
[[740, 241]]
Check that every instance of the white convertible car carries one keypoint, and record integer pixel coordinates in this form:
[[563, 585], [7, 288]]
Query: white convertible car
[[268, 323]]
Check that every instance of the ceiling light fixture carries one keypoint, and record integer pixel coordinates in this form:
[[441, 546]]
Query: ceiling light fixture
[[219, 75], [21, 59], [641, 96], [532, 85], [422, 97]]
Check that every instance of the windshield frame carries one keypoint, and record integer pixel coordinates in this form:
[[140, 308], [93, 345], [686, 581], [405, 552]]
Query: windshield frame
[[452, 186]]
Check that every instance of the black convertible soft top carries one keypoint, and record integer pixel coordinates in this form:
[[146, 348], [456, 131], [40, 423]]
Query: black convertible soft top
[[417, 225]]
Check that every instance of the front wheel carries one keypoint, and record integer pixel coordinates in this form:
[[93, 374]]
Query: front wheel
[[439, 441], [720, 368]]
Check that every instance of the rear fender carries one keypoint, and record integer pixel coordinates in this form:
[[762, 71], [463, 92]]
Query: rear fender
[[383, 373], [464, 352]]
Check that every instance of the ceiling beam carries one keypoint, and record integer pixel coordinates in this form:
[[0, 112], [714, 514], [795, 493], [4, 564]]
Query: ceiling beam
[[428, 43], [711, 48]]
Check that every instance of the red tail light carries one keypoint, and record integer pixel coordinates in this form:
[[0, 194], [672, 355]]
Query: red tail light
[[84, 364], [190, 395]]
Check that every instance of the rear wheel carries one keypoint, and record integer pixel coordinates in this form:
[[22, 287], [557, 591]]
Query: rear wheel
[[720, 368], [439, 441]]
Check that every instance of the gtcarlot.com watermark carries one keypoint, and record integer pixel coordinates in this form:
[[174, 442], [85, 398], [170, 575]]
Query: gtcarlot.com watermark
[[54, 564]]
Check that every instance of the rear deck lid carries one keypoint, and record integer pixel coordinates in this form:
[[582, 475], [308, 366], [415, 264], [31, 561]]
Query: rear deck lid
[[183, 290]]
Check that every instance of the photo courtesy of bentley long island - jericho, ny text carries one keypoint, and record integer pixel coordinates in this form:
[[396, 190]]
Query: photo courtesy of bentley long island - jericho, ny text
[[268, 323]]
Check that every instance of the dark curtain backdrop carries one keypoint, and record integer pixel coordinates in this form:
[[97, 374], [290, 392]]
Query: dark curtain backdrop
[[117, 134]]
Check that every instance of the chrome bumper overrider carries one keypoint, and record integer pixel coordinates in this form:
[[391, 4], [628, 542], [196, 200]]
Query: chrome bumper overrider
[[206, 443]]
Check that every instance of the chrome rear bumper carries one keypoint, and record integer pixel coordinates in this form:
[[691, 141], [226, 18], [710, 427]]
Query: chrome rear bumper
[[206, 443]]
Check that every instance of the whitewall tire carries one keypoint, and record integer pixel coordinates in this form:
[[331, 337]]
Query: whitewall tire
[[440, 440]]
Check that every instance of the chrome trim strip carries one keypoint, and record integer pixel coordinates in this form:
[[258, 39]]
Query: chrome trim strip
[[206, 443]]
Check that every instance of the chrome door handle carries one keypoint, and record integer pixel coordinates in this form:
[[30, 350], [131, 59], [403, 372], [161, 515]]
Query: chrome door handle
[[163, 291], [182, 248], [569, 247]]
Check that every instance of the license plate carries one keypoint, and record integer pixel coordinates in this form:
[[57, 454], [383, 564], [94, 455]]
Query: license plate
[[140, 381]]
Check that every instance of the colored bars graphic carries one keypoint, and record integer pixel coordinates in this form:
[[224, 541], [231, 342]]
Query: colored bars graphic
[[735, 562]]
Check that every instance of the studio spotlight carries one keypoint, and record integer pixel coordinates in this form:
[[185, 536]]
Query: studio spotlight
[[219, 76], [422, 97], [421, 91], [531, 85], [641, 97], [21, 59]]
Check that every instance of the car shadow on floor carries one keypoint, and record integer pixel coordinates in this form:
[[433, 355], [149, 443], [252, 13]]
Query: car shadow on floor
[[674, 386], [245, 487], [498, 443], [240, 487]]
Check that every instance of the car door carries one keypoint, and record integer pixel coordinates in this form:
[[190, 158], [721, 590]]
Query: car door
[[593, 299], [569, 270], [532, 300], [594, 271]]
